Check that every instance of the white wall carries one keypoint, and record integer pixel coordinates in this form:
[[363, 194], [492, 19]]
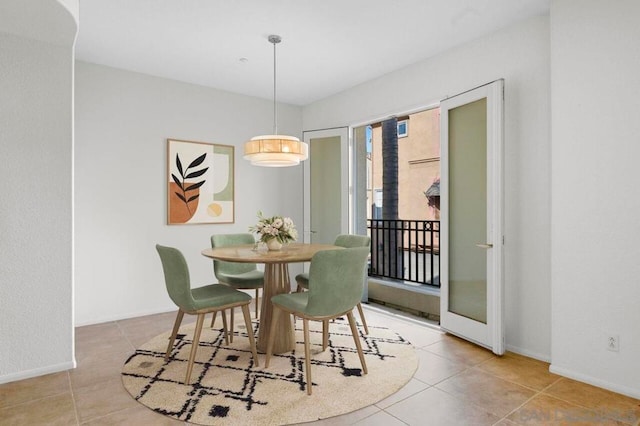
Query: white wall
[[36, 142], [520, 55], [595, 57], [122, 122]]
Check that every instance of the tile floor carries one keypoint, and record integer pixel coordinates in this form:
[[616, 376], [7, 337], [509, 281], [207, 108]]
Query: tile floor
[[456, 383]]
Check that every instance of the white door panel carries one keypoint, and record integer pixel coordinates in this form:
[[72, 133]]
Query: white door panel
[[471, 294], [326, 185]]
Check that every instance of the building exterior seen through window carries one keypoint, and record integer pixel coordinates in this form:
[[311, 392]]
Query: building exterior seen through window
[[418, 167], [405, 237]]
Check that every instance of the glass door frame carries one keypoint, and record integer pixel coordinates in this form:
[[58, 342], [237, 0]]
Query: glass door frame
[[344, 134], [491, 334]]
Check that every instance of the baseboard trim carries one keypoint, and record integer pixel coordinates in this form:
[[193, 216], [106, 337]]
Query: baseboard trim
[[528, 354], [36, 372], [126, 316], [624, 390]]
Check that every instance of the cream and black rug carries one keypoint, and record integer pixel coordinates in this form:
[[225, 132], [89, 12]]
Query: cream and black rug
[[228, 389]]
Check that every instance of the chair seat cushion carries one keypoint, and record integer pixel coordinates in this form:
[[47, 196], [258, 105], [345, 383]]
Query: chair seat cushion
[[217, 295], [293, 302], [246, 280], [303, 280]]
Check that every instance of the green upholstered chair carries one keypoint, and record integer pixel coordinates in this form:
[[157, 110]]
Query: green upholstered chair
[[241, 276], [336, 279], [198, 301], [347, 241]]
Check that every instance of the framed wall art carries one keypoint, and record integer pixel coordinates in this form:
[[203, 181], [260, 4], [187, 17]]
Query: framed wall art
[[200, 182]]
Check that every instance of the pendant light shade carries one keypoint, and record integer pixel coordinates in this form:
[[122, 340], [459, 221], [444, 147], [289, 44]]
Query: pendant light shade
[[275, 150]]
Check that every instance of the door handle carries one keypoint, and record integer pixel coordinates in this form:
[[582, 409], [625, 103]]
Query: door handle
[[485, 245]]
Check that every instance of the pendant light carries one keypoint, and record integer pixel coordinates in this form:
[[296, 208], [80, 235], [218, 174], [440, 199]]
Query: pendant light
[[275, 150]]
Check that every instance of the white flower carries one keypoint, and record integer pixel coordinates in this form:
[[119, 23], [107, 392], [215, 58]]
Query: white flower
[[278, 227]]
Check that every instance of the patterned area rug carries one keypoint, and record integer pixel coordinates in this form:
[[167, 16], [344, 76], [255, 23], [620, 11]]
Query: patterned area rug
[[228, 389]]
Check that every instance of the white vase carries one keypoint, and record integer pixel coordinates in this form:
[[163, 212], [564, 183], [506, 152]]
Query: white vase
[[274, 244]]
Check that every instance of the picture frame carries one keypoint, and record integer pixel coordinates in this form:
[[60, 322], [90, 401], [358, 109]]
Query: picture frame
[[200, 183]]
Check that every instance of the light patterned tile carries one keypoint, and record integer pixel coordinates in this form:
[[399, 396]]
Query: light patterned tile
[[495, 395], [140, 330], [38, 387], [138, 415], [380, 419], [458, 350], [162, 321], [436, 407], [607, 403], [419, 336], [546, 410], [433, 368], [346, 419], [414, 386], [99, 367], [94, 340], [105, 330], [521, 370], [51, 411], [101, 399], [506, 422]]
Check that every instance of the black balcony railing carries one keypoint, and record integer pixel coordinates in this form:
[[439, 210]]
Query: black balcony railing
[[406, 250]]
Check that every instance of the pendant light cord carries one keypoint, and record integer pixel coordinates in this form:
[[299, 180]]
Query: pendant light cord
[[275, 106], [274, 39]]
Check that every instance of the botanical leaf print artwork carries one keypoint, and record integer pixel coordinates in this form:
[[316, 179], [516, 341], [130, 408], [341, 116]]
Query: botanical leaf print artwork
[[186, 189], [200, 187]]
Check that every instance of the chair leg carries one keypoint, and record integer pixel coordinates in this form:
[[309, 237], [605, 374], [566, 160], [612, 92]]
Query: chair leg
[[356, 339], [325, 334], [194, 347], [174, 333], [252, 339], [275, 314], [364, 321], [299, 289], [225, 329], [231, 327], [257, 295], [307, 354]]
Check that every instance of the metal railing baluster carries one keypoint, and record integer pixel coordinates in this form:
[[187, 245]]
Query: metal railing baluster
[[396, 244]]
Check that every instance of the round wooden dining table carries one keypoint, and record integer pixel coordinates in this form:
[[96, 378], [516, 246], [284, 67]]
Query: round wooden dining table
[[276, 281]]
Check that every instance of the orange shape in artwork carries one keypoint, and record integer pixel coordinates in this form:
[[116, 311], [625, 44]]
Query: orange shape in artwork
[[178, 211]]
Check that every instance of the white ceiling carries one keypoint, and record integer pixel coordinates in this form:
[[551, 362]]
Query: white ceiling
[[327, 45]]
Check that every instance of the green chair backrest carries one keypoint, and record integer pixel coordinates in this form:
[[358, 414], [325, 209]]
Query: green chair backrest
[[176, 277], [336, 280], [231, 268], [350, 241]]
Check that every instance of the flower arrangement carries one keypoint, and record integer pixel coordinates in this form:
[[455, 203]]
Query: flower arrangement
[[276, 227]]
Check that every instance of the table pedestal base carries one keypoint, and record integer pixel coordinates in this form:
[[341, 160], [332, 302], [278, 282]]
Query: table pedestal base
[[276, 281]]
